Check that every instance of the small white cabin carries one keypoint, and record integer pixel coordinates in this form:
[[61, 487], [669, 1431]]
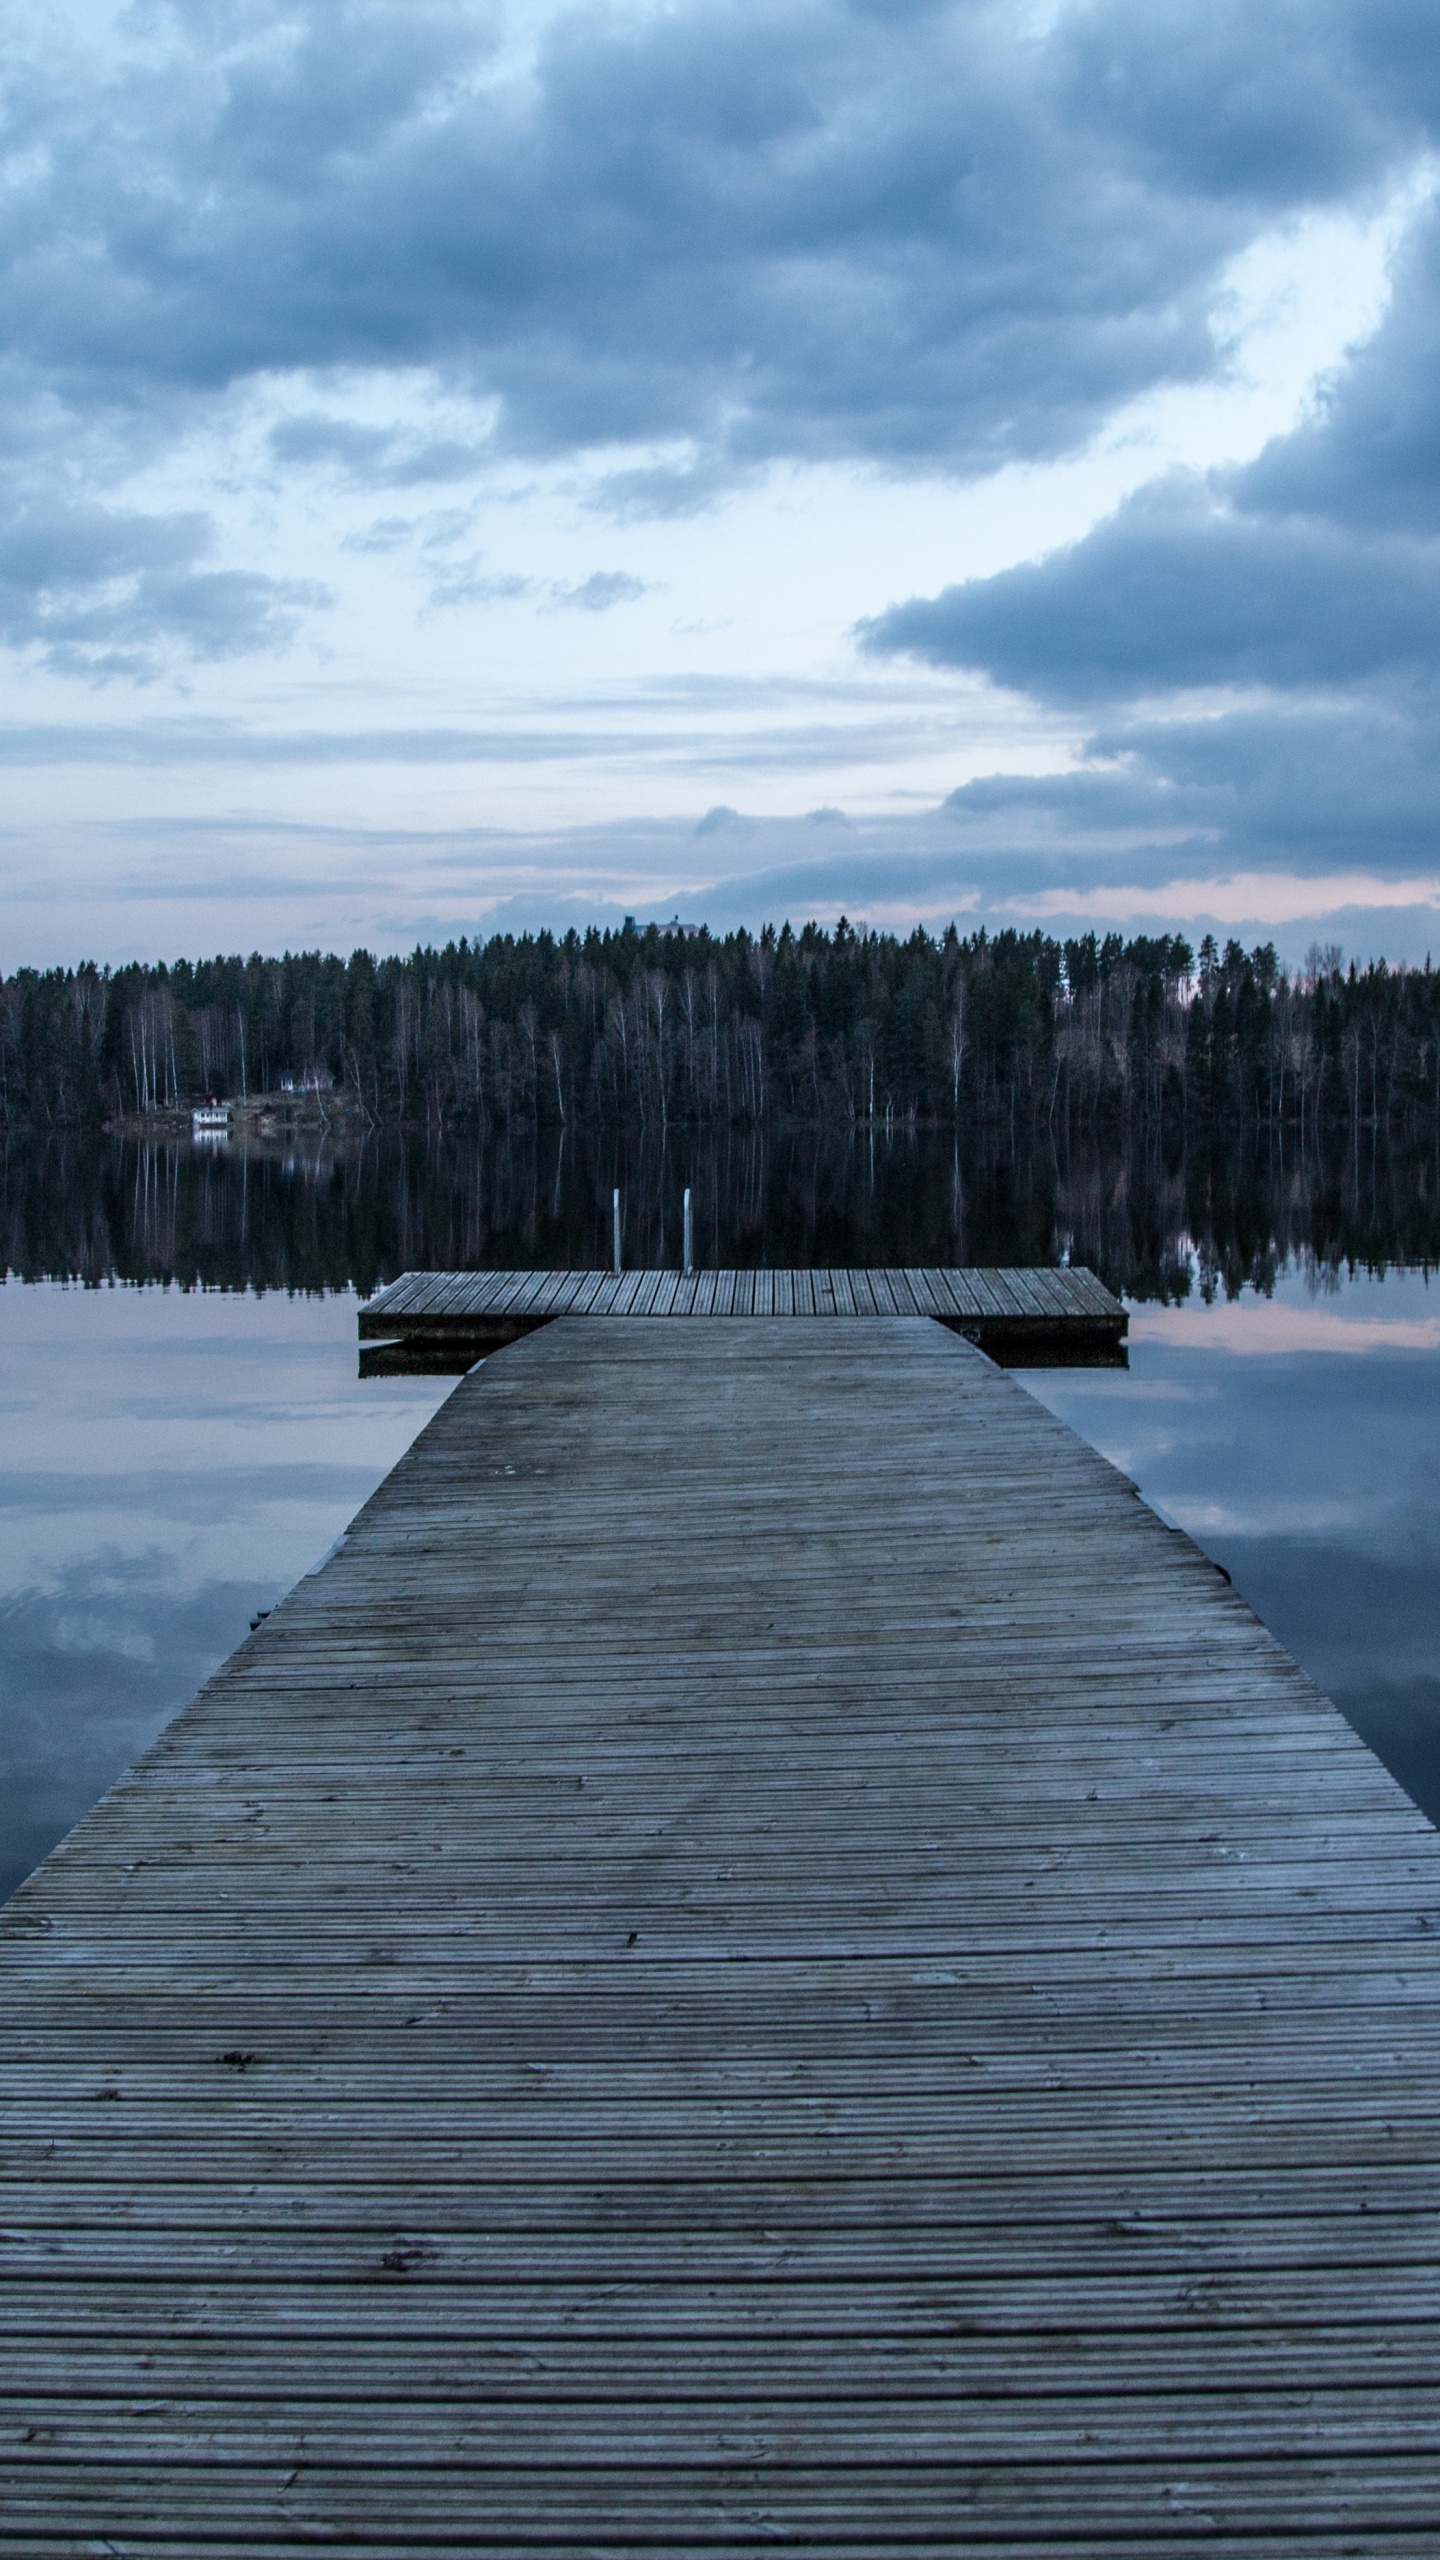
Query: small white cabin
[[210, 1120]]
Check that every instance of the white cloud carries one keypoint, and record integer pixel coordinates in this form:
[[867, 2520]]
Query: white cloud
[[774, 334]]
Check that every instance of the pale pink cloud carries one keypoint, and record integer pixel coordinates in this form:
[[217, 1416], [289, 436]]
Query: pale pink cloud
[[1237, 897], [1269, 1326]]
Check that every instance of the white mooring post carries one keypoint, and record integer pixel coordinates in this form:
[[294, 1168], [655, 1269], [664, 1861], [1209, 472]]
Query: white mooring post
[[615, 1229], [689, 1238]]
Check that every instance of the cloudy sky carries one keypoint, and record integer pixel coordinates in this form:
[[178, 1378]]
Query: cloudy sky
[[469, 466]]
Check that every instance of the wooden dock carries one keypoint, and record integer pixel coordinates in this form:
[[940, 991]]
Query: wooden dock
[[446, 1320], [764, 1958]]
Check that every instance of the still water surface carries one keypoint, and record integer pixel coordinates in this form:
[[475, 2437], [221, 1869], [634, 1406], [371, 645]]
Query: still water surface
[[1297, 1438], [172, 1459], [172, 1463]]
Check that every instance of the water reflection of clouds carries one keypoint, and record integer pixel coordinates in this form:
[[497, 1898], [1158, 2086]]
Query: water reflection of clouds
[[1207, 1521], [172, 1462], [1311, 1474], [91, 1668], [1267, 1328]]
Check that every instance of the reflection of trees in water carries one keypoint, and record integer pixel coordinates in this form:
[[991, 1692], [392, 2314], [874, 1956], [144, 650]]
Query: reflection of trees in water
[[768, 1194]]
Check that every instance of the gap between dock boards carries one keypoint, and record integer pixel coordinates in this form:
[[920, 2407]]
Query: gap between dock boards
[[762, 1957], [444, 1321]]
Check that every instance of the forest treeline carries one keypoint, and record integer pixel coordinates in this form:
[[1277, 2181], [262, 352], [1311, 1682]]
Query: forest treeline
[[661, 1027]]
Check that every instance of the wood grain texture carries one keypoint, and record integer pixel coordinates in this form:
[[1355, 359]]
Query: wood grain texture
[[763, 1956], [1021, 1318]]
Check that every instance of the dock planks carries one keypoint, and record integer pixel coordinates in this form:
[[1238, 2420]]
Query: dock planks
[[446, 1320], [762, 1956]]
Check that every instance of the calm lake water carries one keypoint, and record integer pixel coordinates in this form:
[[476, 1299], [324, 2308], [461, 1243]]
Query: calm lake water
[[173, 1457]]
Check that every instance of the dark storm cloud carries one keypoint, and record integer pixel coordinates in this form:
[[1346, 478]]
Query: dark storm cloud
[[1178, 589], [918, 237], [1327, 788], [1342, 794], [1106, 800], [1286, 783], [1273, 105], [1313, 567], [785, 229], [1370, 457], [373, 457], [1318, 565], [1309, 579]]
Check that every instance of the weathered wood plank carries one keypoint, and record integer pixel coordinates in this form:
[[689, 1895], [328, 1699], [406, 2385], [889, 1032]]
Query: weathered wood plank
[[1018, 1317], [762, 1955]]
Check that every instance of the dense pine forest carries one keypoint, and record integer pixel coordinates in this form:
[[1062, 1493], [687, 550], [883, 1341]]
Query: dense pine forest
[[657, 1029]]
